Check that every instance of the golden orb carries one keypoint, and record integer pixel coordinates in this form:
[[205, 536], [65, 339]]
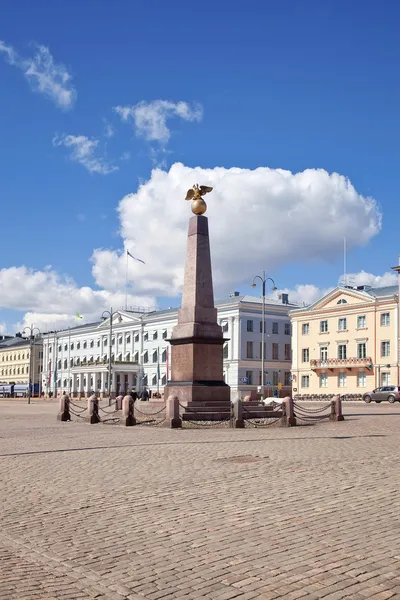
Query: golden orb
[[199, 207]]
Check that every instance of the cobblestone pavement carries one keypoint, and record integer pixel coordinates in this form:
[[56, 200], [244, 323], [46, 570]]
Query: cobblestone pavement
[[114, 513]]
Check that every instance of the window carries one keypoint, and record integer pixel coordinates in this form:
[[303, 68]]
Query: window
[[136, 338], [85, 345], [72, 345], [275, 351], [385, 349], [385, 378], [305, 381], [361, 350], [59, 349], [249, 377], [226, 350], [71, 362], [155, 335], [323, 353], [342, 324], [342, 380], [120, 340], [91, 343], [65, 364], [78, 360], [341, 301], [261, 325], [305, 328], [113, 341], [287, 378], [136, 357], [128, 357], [287, 352], [323, 380], [164, 356], [275, 328], [385, 319], [342, 351], [18, 371], [105, 342], [164, 334], [146, 357], [275, 378], [249, 349], [305, 355], [249, 325], [146, 337], [120, 357], [59, 364], [265, 350], [78, 345], [164, 380], [323, 326], [155, 356], [65, 347], [98, 343], [225, 326], [361, 322], [154, 380], [361, 379], [128, 339], [144, 379], [287, 328]]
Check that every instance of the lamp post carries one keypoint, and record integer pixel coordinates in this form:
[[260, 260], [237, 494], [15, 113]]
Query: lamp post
[[263, 279], [109, 314], [32, 335]]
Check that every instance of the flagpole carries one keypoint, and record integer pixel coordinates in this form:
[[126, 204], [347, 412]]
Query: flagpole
[[126, 282], [158, 370]]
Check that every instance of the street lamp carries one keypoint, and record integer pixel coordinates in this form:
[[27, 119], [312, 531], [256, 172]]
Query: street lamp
[[263, 280], [109, 314], [32, 335]]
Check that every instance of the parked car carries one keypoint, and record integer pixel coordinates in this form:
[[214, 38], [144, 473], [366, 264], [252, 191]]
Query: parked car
[[387, 392]]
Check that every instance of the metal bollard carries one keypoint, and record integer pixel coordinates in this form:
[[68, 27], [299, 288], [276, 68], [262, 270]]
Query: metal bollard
[[93, 410], [128, 414], [173, 419], [238, 421], [288, 417], [336, 409], [63, 413]]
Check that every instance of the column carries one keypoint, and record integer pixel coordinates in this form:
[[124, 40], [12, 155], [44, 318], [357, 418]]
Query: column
[[113, 388], [231, 343], [80, 385], [130, 381], [103, 382]]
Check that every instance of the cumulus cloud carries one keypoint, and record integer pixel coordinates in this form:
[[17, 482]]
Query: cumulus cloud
[[83, 151], [257, 218], [52, 299], [43, 74], [150, 118]]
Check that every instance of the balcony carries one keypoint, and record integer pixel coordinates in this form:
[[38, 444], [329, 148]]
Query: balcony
[[340, 363]]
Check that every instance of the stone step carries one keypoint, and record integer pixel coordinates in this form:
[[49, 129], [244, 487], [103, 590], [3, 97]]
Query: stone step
[[205, 416]]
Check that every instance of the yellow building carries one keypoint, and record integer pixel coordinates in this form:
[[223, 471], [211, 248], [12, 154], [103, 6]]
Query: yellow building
[[346, 342], [16, 361]]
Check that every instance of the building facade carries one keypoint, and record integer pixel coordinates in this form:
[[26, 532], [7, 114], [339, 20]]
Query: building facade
[[17, 364], [77, 360], [346, 342]]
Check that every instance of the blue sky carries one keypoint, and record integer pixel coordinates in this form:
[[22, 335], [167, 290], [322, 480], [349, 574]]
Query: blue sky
[[286, 85]]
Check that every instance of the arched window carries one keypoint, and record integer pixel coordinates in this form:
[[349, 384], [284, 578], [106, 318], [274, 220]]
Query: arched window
[[120, 357], [128, 357], [59, 364], [65, 363], [18, 371], [342, 301]]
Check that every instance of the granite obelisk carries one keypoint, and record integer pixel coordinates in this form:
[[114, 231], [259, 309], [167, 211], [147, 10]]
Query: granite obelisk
[[197, 340]]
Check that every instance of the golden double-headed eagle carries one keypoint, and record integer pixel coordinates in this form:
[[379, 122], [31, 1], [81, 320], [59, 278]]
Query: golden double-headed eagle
[[195, 194]]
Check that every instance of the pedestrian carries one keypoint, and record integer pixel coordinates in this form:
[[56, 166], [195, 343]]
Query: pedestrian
[[133, 394], [144, 395]]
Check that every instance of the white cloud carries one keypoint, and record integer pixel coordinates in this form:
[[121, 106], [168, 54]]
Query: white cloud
[[109, 130], [43, 74], [51, 299], [150, 118], [83, 152], [257, 218]]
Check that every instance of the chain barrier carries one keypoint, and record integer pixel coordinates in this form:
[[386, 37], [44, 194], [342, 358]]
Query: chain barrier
[[253, 423], [310, 419], [150, 414], [151, 422], [311, 410], [76, 414], [108, 412], [81, 409]]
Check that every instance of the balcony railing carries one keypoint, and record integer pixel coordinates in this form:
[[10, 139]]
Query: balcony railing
[[335, 363]]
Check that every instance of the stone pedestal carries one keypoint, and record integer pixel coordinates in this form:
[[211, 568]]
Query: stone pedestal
[[197, 340]]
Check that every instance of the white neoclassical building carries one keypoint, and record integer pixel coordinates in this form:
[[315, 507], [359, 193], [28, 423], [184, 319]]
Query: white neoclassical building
[[77, 360]]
